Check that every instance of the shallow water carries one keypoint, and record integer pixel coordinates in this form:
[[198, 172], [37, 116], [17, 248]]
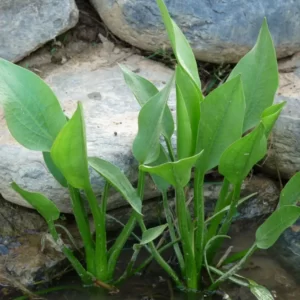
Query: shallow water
[[262, 268]]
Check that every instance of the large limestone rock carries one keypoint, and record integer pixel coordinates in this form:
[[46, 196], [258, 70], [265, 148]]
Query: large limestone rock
[[219, 31], [284, 152], [25, 25]]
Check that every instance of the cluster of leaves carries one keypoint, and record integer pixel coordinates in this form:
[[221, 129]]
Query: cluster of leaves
[[227, 129]]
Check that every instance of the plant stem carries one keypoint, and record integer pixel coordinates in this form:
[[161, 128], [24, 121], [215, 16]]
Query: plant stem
[[84, 228], [221, 203], [115, 250], [100, 247], [170, 149], [234, 269], [200, 219], [186, 239], [82, 273], [172, 232]]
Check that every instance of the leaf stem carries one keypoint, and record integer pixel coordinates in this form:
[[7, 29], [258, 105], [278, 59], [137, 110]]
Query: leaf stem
[[84, 228], [170, 149]]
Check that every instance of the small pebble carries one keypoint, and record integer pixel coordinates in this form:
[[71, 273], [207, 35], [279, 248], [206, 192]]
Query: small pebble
[[6, 241], [3, 250]]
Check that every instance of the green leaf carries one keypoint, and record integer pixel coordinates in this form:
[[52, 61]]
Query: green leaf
[[221, 123], [144, 90], [290, 195], [178, 172], [239, 158], [268, 233], [32, 112], [146, 145], [259, 291], [118, 180], [153, 233], [43, 205], [270, 116], [69, 151], [188, 113], [259, 72], [180, 45], [54, 170], [159, 182]]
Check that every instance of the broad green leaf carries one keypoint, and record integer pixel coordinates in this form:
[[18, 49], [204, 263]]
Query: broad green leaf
[[144, 90], [118, 180], [290, 195], [269, 232], [43, 205], [270, 116], [153, 233], [54, 170], [69, 151], [32, 112], [259, 291], [180, 45], [178, 172], [159, 182], [239, 158], [188, 113], [259, 72], [221, 123], [146, 145]]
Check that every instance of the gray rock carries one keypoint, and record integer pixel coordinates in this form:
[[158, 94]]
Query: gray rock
[[25, 25], [109, 107], [219, 31], [3, 250], [284, 150], [287, 250]]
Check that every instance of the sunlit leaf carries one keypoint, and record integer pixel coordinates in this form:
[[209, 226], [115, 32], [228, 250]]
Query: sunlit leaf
[[290, 195], [69, 151], [259, 291], [118, 180], [259, 72], [270, 116], [239, 158], [144, 90], [178, 172], [269, 232], [153, 233], [146, 146], [54, 170], [221, 123], [188, 113], [43, 205], [32, 112]]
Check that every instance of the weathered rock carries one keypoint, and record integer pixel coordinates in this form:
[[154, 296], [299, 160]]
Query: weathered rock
[[111, 122], [287, 249], [25, 25], [284, 153], [219, 31]]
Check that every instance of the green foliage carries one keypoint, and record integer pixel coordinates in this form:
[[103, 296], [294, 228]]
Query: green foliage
[[153, 233], [146, 146], [69, 151], [176, 173], [29, 107], [43, 205], [268, 233], [290, 195], [239, 158], [259, 291], [118, 180], [222, 112], [259, 72]]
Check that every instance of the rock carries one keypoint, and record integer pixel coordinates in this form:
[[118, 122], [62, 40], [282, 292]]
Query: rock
[[287, 250], [3, 250], [109, 108], [284, 151], [219, 31], [27, 24]]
